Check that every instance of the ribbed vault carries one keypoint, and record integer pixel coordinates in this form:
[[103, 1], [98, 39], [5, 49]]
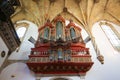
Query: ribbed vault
[[83, 12]]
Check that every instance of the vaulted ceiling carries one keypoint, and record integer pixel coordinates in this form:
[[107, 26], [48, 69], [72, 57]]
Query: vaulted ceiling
[[83, 12]]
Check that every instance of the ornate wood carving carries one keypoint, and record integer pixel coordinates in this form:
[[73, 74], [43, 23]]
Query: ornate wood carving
[[7, 31]]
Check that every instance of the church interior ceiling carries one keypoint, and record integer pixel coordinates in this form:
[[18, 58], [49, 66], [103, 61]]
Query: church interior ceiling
[[83, 12]]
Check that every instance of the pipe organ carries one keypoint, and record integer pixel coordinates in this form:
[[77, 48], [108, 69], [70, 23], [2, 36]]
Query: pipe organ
[[60, 50]]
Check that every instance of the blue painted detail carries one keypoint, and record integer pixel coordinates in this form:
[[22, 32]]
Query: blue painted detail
[[72, 33], [60, 54], [59, 29], [46, 33]]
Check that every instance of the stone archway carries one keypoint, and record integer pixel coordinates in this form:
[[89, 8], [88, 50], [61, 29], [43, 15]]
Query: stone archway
[[60, 79]]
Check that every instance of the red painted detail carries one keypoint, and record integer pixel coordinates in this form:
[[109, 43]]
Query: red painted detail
[[38, 56], [78, 44], [40, 49], [60, 63], [73, 25], [46, 24], [45, 68], [59, 18], [86, 55]]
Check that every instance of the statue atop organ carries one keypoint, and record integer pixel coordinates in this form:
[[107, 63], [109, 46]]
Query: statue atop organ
[[60, 49]]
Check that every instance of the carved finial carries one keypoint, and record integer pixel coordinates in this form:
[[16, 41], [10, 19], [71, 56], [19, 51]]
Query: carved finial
[[65, 9], [101, 59], [96, 1], [58, 15], [71, 20], [78, 1], [48, 20], [52, 1]]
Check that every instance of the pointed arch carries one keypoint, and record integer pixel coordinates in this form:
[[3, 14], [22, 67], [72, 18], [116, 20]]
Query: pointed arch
[[111, 34], [21, 31]]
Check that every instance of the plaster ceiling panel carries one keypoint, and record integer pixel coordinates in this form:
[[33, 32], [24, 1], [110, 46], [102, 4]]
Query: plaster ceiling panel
[[25, 16], [74, 9], [68, 16], [19, 16], [83, 12], [113, 8], [97, 11], [110, 18], [31, 9], [89, 8], [55, 8], [83, 8]]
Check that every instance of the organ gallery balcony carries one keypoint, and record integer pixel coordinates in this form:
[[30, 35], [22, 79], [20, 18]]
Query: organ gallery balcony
[[42, 63]]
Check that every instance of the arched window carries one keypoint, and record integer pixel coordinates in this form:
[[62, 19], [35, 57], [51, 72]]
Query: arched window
[[21, 32], [46, 33], [72, 33], [113, 38], [59, 29]]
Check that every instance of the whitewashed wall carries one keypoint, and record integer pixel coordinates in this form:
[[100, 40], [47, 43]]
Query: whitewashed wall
[[25, 46], [110, 70], [19, 70], [3, 47]]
